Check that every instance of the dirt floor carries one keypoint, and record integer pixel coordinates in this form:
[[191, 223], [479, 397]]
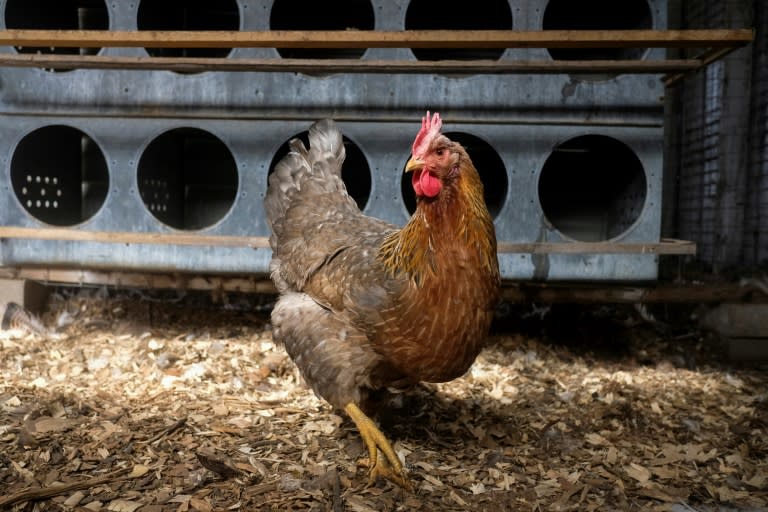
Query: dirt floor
[[155, 402]]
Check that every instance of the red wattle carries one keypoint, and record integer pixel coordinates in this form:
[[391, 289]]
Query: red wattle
[[425, 183], [416, 184]]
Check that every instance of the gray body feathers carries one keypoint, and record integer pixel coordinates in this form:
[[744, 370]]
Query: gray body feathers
[[324, 266]]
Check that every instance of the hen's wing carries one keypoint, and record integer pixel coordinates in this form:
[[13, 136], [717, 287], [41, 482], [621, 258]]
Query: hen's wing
[[325, 266], [310, 213]]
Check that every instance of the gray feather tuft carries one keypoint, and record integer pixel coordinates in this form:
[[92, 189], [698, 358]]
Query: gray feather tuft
[[13, 316], [317, 169]]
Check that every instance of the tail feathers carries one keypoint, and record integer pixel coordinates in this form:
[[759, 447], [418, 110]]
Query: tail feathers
[[16, 317], [308, 172], [326, 147]]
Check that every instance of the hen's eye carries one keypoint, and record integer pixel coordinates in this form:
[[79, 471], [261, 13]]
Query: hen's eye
[[439, 152]]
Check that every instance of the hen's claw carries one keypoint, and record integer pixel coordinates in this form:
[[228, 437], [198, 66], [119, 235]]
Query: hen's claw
[[389, 466]]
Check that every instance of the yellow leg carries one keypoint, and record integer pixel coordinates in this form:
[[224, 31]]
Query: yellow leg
[[389, 467]]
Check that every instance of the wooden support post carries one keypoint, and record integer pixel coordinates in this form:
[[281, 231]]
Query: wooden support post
[[28, 294]]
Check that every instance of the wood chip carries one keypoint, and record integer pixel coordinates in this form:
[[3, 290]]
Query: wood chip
[[586, 408]]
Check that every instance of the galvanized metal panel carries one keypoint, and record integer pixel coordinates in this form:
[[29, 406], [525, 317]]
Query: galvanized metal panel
[[294, 94], [253, 144], [522, 117]]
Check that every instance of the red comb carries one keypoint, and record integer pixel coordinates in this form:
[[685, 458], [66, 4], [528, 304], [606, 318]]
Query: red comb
[[430, 127]]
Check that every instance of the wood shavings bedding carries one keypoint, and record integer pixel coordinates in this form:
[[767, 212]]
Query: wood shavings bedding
[[151, 405]]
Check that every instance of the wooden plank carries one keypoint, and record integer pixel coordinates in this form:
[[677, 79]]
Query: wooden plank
[[379, 39], [124, 279], [706, 58], [192, 64], [513, 291], [667, 246], [526, 293], [75, 235], [130, 237]]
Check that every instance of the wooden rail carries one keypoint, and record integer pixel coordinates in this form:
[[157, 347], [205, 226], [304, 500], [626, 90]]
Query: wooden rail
[[380, 39], [132, 237], [717, 44], [454, 67], [708, 293], [666, 246], [513, 291]]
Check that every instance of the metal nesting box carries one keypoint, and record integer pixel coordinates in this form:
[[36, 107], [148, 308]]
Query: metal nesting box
[[564, 158]]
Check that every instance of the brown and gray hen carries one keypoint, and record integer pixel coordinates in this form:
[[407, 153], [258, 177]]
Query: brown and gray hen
[[365, 305]]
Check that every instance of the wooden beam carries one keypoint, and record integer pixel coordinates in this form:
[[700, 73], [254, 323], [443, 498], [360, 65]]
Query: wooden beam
[[666, 246], [526, 293], [147, 280], [192, 64], [379, 39], [705, 59], [131, 237], [124, 237], [513, 291]]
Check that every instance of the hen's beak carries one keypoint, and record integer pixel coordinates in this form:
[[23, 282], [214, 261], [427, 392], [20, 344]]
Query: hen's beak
[[414, 164]]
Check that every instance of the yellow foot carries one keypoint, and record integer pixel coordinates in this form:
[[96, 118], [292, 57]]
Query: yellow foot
[[389, 466]]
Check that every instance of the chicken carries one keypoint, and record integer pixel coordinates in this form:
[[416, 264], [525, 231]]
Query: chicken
[[15, 317], [364, 305]]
